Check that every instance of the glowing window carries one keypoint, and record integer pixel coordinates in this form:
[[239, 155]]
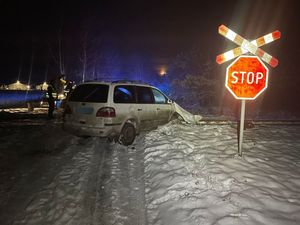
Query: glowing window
[[159, 98], [124, 94]]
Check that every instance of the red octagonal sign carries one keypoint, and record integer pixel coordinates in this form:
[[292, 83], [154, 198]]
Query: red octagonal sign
[[246, 77]]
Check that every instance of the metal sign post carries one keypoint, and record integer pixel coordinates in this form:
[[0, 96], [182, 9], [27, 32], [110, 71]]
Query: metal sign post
[[242, 122]]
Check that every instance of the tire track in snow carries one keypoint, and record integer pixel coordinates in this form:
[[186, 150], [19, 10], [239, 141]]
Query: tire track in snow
[[102, 154], [120, 197], [100, 184]]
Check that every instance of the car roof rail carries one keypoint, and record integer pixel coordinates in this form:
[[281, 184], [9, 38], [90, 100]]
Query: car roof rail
[[130, 81], [90, 81]]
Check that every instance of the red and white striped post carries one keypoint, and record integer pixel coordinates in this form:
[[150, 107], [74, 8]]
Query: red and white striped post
[[246, 46], [240, 51]]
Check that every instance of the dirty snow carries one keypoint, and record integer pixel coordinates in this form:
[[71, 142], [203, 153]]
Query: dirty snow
[[179, 173]]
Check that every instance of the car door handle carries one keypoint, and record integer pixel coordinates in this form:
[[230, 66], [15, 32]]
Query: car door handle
[[139, 109]]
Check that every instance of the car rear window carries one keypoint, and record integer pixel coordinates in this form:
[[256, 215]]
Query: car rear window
[[90, 93]]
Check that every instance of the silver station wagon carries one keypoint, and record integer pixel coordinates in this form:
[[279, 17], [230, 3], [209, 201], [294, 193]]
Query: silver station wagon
[[117, 110]]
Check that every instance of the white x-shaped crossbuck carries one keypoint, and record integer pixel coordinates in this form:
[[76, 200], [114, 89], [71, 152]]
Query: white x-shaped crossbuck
[[247, 46]]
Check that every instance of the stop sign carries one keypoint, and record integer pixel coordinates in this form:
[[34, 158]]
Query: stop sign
[[246, 77]]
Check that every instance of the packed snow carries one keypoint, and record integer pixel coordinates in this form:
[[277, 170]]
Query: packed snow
[[180, 173]]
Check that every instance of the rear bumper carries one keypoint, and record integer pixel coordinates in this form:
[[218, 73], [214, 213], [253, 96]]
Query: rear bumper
[[108, 130]]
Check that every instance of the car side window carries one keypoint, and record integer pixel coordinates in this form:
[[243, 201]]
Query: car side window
[[124, 94], [144, 95], [159, 97]]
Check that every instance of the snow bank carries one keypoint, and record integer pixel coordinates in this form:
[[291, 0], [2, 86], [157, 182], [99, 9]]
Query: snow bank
[[194, 176]]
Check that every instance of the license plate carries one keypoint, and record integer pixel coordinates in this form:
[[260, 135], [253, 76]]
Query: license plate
[[85, 110]]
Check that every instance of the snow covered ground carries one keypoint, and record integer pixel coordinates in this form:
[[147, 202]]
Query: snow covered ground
[[177, 174], [194, 176]]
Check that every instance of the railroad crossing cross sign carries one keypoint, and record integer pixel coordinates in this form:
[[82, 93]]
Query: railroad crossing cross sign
[[246, 46], [246, 77]]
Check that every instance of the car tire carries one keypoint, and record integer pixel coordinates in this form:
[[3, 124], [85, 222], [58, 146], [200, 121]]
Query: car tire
[[127, 135]]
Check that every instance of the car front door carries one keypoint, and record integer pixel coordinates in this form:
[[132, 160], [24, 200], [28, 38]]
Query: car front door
[[162, 107], [146, 108]]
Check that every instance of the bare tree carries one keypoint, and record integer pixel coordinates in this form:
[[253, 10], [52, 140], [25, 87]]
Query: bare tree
[[60, 52], [89, 54], [56, 49], [46, 69], [95, 57], [111, 65], [31, 63], [20, 66], [83, 57]]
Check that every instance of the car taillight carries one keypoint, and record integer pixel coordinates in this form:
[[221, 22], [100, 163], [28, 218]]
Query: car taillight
[[67, 110], [106, 112]]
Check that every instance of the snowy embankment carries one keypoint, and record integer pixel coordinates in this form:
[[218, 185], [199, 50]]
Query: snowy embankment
[[175, 175], [194, 176]]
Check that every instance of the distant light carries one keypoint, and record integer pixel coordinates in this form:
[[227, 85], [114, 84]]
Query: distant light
[[28, 86], [162, 72], [18, 81], [61, 96], [44, 83]]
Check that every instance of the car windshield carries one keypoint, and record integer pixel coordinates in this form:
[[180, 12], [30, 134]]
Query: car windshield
[[90, 93]]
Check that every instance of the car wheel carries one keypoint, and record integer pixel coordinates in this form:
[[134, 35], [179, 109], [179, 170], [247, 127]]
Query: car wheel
[[128, 134]]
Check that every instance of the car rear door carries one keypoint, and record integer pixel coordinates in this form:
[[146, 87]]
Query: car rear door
[[125, 102]]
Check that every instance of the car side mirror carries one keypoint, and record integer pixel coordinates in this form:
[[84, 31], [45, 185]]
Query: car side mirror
[[170, 101]]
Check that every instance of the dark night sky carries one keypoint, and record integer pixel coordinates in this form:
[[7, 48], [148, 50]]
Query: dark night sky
[[157, 30]]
